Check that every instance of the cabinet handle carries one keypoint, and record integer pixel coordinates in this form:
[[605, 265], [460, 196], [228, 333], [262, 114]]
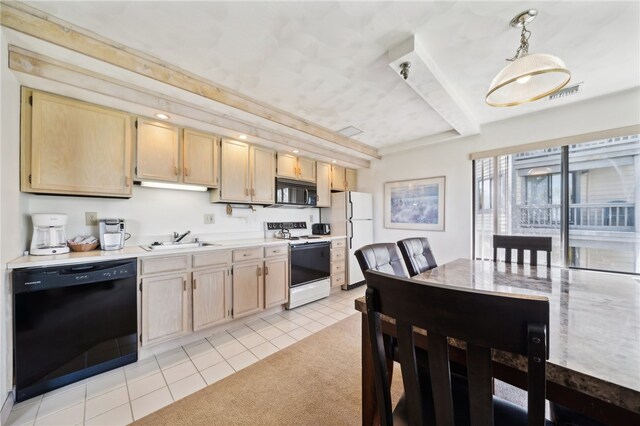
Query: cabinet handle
[[175, 169], [246, 191], [184, 285], [259, 271], [186, 171], [253, 192], [194, 284], [266, 270], [127, 181]]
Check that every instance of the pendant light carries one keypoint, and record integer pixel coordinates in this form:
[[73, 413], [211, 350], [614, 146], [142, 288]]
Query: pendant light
[[528, 77]]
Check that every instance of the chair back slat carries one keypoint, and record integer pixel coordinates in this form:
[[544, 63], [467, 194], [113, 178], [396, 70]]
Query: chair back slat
[[409, 369], [536, 381], [479, 375], [438, 349], [522, 244], [381, 376], [484, 320]]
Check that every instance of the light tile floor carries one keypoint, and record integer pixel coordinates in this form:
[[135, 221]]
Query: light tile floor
[[120, 396]]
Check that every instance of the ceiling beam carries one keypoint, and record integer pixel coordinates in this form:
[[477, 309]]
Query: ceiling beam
[[43, 26], [430, 83], [24, 61]]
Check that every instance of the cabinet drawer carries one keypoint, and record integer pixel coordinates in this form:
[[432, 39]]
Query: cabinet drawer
[[211, 259], [247, 254], [338, 279], [163, 264], [337, 268], [276, 251], [337, 254], [339, 243]]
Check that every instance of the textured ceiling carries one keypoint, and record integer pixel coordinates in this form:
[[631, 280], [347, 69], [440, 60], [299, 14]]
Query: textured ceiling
[[327, 61]]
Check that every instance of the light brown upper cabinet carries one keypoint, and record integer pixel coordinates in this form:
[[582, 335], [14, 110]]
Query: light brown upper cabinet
[[162, 155], [262, 163], [324, 185], [200, 158], [247, 174], [293, 167], [158, 151], [72, 147], [351, 180], [338, 178]]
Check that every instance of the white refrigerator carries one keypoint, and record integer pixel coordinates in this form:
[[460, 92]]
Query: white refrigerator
[[352, 215]]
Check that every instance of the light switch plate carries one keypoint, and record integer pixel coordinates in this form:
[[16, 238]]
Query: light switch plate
[[90, 218], [209, 219]]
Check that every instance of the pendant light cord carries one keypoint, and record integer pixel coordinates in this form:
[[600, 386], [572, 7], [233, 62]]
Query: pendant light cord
[[524, 44]]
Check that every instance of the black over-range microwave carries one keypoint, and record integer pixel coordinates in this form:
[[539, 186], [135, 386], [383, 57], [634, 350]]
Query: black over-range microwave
[[295, 193]]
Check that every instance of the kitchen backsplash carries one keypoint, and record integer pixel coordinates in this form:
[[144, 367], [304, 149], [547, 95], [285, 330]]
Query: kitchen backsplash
[[154, 214]]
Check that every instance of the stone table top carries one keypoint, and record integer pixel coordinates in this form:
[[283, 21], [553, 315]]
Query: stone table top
[[594, 331]]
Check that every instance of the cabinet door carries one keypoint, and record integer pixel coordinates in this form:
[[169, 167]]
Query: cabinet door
[[287, 166], [324, 185], [209, 297], [351, 179], [248, 292], [200, 158], [276, 282], [337, 178], [234, 171], [306, 169], [158, 153], [72, 147], [263, 173], [165, 308]]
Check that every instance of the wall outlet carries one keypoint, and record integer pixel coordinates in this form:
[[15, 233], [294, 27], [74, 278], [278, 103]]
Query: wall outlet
[[90, 218], [209, 219]]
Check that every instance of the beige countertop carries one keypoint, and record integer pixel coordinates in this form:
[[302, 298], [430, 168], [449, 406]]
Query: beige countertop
[[137, 251]]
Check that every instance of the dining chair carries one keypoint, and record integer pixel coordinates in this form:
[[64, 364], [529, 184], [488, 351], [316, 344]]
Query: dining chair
[[417, 255], [382, 257], [483, 321], [522, 243]]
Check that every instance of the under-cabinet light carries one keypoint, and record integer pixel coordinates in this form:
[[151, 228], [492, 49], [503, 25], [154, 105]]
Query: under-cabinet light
[[179, 186], [295, 151], [243, 137], [334, 161], [162, 116]]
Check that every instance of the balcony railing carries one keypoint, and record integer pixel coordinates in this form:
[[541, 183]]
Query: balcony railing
[[597, 217]]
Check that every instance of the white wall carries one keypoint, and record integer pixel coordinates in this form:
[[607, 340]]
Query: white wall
[[451, 159]]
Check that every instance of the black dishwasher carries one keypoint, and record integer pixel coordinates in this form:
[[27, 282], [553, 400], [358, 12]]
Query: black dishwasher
[[72, 322]]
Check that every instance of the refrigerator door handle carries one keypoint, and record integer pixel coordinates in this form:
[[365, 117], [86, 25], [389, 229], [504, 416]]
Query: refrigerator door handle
[[351, 235], [350, 208]]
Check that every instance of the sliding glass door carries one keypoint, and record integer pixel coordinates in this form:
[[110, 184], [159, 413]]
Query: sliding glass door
[[522, 194]]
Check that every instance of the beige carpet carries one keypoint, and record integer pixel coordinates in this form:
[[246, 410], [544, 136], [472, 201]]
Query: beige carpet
[[314, 381]]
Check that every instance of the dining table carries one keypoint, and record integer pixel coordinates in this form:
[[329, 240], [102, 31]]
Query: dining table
[[594, 335]]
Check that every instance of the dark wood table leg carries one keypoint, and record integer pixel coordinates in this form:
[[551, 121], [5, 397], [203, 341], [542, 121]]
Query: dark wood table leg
[[369, 406]]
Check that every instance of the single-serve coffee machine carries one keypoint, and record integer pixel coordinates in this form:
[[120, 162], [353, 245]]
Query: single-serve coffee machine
[[48, 234], [112, 234]]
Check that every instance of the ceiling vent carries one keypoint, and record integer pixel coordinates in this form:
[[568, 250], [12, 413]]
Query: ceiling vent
[[566, 91], [350, 131]]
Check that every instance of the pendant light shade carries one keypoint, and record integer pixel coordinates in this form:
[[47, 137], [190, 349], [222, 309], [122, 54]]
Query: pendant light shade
[[527, 79]]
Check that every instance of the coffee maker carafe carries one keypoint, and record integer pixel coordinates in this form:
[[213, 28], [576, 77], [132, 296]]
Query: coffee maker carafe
[[112, 234], [48, 234]]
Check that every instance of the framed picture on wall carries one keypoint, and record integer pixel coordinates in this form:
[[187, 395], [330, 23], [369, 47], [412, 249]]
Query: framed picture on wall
[[415, 204]]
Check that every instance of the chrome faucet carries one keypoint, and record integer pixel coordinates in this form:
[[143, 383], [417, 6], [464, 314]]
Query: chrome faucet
[[178, 238]]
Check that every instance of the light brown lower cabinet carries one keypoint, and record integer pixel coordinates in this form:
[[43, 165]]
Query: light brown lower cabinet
[[248, 291], [276, 282], [210, 305], [165, 307]]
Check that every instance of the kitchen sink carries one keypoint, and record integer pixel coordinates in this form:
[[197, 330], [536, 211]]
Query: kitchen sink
[[175, 246]]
